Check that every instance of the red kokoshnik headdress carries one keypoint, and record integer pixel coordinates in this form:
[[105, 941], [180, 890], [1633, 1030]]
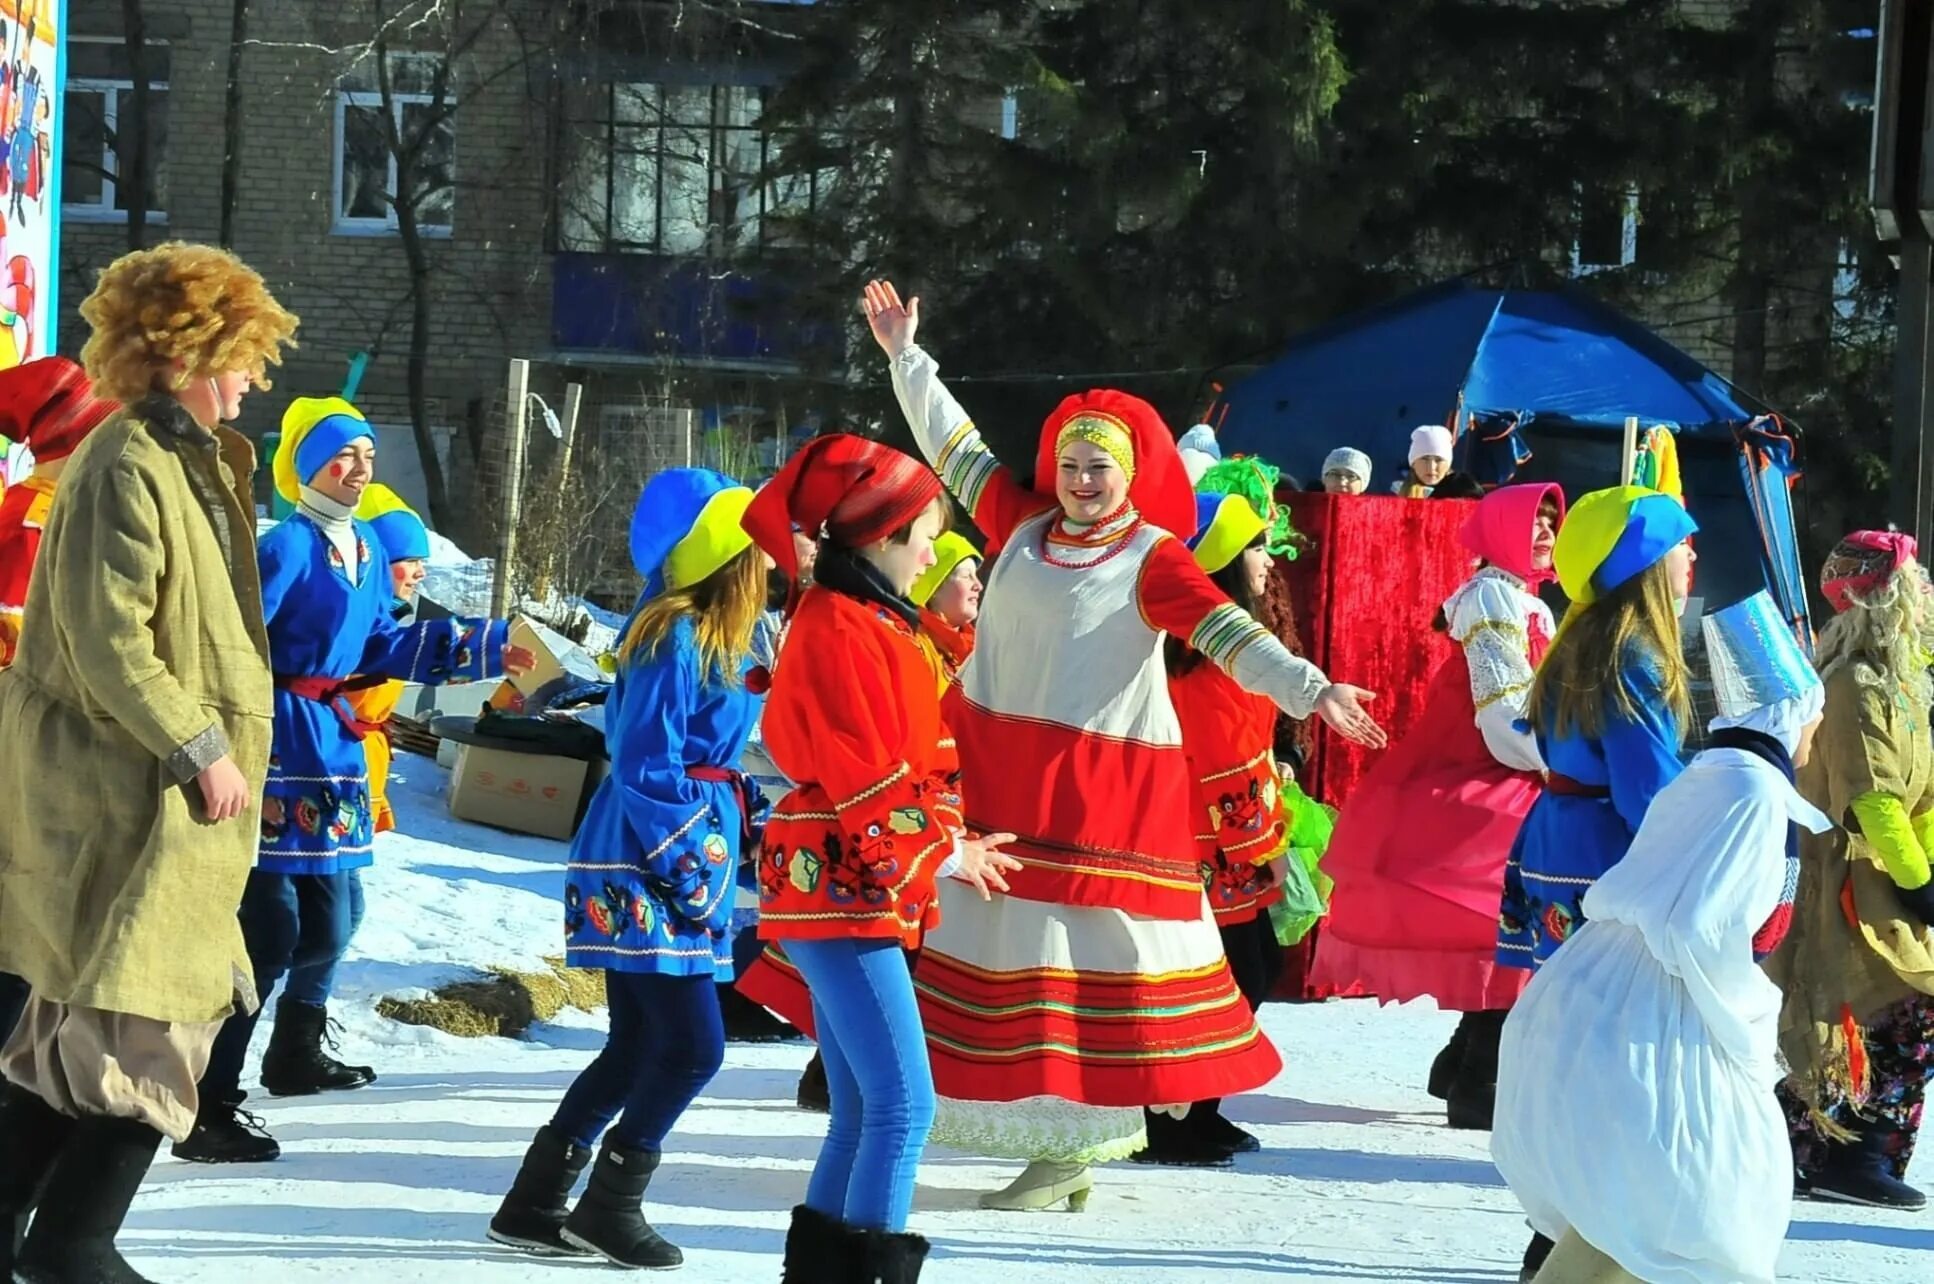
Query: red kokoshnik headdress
[[1158, 483]]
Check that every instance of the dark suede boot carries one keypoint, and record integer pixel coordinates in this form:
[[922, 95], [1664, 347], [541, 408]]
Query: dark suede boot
[[1861, 1172], [814, 1094], [610, 1218], [1473, 1093], [1443, 1071], [34, 1134], [1177, 1143], [532, 1214], [887, 1258], [819, 1249], [1535, 1254], [295, 1064], [1213, 1127], [85, 1201]]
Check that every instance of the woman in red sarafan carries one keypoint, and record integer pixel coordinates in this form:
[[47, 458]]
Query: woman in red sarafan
[[1420, 847], [850, 858]]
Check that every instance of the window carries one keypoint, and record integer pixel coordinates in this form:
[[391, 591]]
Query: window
[[675, 169], [367, 186], [98, 105], [1608, 233]]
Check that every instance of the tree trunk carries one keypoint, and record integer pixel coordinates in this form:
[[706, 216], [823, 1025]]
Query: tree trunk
[[232, 122], [131, 164], [417, 255]]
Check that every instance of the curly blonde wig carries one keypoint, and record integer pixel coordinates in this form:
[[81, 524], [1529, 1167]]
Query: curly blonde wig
[[1883, 635], [166, 316]]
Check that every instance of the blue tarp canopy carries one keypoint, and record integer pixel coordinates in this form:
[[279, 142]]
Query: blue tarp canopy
[[1566, 368]]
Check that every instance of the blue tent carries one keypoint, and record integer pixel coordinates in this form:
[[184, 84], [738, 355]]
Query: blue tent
[[1549, 376]]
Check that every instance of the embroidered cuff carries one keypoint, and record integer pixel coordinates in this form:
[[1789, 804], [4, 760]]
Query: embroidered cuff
[[198, 755]]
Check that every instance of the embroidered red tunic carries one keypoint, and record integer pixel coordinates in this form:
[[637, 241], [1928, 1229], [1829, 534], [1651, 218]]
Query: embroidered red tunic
[[1229, 736], [854, 718]]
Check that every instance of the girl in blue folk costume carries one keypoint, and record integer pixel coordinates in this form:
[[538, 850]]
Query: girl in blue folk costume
[[1609, 706], [326, 595], [653, 874]]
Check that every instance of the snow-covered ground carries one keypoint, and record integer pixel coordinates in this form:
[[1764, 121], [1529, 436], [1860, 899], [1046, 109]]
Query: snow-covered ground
[[1359, 1180]]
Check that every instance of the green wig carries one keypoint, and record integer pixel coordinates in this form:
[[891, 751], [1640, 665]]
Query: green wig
[[1255, 481]]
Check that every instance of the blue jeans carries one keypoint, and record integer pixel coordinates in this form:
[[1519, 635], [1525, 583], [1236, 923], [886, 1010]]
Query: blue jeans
[[877, 1075], [295, 925], [667, 1041]]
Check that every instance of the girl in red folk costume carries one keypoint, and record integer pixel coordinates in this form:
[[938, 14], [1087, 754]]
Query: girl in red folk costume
[[851, 855], [1242, 829], [1420, 848], [1099, 986]]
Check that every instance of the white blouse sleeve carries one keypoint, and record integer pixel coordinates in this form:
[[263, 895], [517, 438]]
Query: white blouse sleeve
[[1488, 621]]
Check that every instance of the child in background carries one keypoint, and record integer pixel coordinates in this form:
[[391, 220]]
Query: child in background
[[406, 541], [1346, 471]]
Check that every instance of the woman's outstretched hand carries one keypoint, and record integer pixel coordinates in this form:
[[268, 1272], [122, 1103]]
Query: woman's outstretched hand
[[1342, 707], [982, 863], [893, 323]]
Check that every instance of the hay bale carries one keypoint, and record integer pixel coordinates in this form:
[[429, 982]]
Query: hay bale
[[506, 1002]]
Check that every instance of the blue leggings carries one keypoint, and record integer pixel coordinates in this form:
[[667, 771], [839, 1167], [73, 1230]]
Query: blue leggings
[[875, 1051], [666, 1043]]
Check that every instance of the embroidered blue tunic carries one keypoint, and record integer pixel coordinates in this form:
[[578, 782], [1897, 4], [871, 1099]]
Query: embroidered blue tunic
[[316, 814], [1569, 840], [654, 868]]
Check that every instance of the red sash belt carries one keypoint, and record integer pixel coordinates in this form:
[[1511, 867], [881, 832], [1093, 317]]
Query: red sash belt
[[1565, 787], [736, 779], [333, 693]]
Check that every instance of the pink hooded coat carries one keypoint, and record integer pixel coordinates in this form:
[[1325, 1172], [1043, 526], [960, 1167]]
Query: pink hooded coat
[[1420, 847]]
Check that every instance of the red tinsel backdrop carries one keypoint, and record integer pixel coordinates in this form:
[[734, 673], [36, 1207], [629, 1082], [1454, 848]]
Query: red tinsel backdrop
[[1365, 596]]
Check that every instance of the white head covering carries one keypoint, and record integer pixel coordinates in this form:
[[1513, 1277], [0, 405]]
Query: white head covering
[[1431, 439], [1200, 451], [1783, 720], [1344, 459], [1761, 679]]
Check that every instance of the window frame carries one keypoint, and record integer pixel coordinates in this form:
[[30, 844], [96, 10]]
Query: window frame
[[342, 224], [1628, 238], [104, 211]]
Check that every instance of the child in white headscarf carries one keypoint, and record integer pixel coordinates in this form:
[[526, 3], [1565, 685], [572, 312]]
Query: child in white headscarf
[[1636, 1120]]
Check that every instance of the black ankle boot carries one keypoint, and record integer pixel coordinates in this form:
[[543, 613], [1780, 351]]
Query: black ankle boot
[[819, 1249], [1473, 1093], [887, 1258], [610, 1218], [814, 1094], [295, 1064], [35, 1134], [85, 1202], [1443, 1071], [1535, 1254], [1209, 1123], [532, 1214], [227, 1134], [1860, 1172], [1176, 1143]]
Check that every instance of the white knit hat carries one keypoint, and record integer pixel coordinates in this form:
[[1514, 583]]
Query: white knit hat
[[1431, 439], [1347, 460]]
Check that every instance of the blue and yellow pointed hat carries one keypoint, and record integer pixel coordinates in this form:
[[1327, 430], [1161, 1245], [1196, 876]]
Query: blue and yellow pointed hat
[[1611, 536], [314, 429], [689, 522], [401, 532], [1224, 526]]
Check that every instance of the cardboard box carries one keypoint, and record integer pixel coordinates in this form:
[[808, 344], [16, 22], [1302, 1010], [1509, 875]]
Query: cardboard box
[[526, 792], [548, 669]]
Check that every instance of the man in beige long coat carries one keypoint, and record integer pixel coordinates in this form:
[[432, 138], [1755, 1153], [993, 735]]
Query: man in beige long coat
[[139, 707]]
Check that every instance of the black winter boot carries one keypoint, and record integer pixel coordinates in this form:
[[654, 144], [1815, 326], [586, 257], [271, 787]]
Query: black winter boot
[[820, 1250], [227, 1134], [1860, 1172], [1473, 1093], [1208, 1121], [35, 1134], [85, 1202], [1176, 1143], [1443, 1071], [610, 1218], [887, 1258], [295, 1064], [1534, 1257], [814, 1094], [532, 1214]]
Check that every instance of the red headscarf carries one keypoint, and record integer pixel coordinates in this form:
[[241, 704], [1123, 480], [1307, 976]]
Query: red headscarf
[[50, 406], [857, 490], [1862, 563], [1159, 489], [1499, 531]]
